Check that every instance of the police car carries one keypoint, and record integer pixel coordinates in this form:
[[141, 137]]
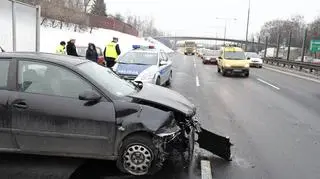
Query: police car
[[146, 65]]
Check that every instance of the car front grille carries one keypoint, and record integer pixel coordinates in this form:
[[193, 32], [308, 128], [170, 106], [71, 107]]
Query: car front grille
[[128, 77], [237, 67]]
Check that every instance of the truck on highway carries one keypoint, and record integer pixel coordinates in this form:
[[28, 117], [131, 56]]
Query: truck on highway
[[190, 47]]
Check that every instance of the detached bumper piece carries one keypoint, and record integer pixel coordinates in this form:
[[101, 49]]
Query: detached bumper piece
[[218, 145]]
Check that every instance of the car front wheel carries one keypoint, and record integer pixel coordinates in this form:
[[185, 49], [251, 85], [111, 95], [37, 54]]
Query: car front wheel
[[158, 81], [138, 156], [218, 69]]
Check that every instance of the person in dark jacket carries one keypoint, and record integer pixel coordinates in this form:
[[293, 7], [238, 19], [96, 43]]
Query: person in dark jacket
[[71, 48], [111, 52], [91, 53]]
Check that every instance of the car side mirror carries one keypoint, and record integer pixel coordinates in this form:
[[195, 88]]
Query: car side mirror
[[248, 58], [89, 96], [163, 63], [220, 58]]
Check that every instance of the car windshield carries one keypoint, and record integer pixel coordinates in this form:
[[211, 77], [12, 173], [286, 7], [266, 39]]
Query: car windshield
[[141, 58], [234, 55], [212, 53], [108, 79], [252, 55]]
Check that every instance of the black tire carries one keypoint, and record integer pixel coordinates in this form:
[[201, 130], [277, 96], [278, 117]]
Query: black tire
[[218, 69], [144, 147], [158, 81], [246, 74], [168, 83], [223, 72], [260, 66]]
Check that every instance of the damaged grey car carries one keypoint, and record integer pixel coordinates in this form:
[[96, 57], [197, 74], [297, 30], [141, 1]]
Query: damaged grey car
[[66, 106]]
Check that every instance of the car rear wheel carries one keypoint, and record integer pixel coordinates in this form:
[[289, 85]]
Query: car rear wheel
[[260, 66], [246, 74], [138, 156], [168, 83]]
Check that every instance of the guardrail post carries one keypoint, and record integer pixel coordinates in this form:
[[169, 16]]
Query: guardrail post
[[265, 48], [289, 46], [303, 46]]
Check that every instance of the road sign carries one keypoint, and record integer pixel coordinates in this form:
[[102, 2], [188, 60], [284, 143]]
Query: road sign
[[315, 46]]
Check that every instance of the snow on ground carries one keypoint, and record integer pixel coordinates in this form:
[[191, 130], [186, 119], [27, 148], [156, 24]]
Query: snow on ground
[[159, 45], [51, 37]]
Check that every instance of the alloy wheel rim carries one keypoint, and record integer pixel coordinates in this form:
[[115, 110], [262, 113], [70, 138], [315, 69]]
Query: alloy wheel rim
[[137, 159]]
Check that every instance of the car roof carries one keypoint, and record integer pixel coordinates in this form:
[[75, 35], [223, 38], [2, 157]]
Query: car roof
[[233, 49], [146, 51], [46, 57]]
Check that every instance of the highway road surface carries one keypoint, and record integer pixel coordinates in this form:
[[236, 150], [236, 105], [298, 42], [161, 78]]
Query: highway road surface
[[273, 120]]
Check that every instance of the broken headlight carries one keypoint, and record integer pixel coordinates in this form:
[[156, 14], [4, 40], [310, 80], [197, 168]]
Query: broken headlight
[[168, 130]]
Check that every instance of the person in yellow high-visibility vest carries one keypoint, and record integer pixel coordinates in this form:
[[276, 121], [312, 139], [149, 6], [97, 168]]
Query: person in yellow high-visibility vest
[[111, 52], [61, 48]]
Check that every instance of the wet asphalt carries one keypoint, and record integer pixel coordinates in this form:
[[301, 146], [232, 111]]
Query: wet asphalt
[[273, 121]]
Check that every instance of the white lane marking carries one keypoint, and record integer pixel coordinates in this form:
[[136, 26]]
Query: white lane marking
[[205, 169], [295, 75], [277, 88], [194, 60], [197, 81], [195, 65]]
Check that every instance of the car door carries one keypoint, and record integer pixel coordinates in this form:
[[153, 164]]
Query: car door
[[164, 69], [6, 139], [49, 118]]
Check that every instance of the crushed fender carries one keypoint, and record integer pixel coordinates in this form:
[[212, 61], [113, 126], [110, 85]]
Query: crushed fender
[[218, 145]]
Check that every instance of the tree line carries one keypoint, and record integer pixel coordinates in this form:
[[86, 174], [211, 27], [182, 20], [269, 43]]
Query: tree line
[[296, 25], [74, 13]]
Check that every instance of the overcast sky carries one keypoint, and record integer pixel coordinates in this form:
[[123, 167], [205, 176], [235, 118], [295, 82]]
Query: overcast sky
[[198, 17]]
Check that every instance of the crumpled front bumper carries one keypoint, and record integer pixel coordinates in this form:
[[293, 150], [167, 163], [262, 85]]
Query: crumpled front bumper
[[184, 140]]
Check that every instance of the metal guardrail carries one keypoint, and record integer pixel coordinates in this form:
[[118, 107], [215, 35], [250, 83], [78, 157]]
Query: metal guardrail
[[293, 64]]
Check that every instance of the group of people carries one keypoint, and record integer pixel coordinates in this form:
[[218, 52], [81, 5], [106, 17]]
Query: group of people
[[111, 51]]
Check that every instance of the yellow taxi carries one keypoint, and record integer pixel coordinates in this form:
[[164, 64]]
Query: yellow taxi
[[232, 60]]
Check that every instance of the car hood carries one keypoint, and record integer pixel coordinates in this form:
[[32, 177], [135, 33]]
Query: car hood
[[165, 97], [236, 62], [130, 69], [256, 59]]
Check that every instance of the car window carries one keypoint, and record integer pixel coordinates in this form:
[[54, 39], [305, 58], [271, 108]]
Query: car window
[[47, 79], [4, 69], [234, 55], [140, 58]]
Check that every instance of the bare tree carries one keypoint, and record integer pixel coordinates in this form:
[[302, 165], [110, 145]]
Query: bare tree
[[273, 28], [98, 8]]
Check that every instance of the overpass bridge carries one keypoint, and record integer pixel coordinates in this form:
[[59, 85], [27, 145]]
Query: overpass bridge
[[258, 44]]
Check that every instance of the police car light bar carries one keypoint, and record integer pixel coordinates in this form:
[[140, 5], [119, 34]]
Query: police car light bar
[[142, 47]]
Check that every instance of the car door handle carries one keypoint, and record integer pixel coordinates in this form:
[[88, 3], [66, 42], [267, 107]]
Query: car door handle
[[20, 105]]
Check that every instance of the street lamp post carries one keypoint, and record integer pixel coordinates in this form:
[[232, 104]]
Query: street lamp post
[[247, 31], [225, 26]]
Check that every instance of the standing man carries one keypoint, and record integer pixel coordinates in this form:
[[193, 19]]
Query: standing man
[[111, 52], [71, 48], [61, 48]]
